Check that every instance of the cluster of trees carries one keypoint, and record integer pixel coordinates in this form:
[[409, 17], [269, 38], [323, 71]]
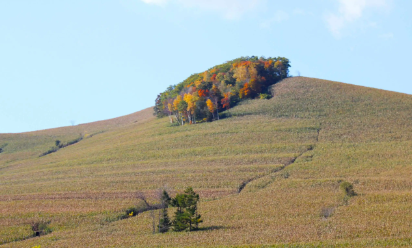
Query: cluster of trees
[[186, 215], [201, 96]]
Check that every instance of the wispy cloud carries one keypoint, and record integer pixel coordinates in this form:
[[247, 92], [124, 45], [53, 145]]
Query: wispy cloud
[[230, 9], [387, 36], [278, 17], [299, 12], [156, 2], [349, 11]]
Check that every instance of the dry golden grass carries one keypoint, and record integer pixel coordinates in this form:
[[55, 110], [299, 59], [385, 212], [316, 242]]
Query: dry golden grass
[[317, 132]]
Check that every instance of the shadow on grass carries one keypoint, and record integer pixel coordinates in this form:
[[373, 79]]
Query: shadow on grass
[[226, 114], [210, 228]]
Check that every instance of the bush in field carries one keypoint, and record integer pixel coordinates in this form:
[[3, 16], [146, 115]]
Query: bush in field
[[347, 189], [40, 228], [132, 211]]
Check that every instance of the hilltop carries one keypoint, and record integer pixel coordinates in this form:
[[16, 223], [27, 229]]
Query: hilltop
[[203, 95], [268, 173]]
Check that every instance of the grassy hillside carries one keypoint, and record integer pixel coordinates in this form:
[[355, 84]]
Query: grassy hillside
[[287, 154]]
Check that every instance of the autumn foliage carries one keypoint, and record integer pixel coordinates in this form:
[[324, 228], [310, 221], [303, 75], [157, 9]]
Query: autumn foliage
[[202, 95], [210, 106]]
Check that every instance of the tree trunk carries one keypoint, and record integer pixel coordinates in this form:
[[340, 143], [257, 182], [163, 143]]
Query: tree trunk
[[217, 108], [197, 223], [159, 221], [153, 221]]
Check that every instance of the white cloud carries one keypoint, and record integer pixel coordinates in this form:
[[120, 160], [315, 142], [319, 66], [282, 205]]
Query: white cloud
[[299, 12], [156, 2], [350, 11], [387, 36], [230, 9], [279, 16]]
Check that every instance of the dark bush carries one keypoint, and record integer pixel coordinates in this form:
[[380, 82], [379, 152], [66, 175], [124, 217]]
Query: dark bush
[[40, 228], [347, 189]]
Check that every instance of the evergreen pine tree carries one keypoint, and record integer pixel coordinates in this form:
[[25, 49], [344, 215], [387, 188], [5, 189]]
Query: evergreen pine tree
[[180, 221], [186, 216], [164, 222]]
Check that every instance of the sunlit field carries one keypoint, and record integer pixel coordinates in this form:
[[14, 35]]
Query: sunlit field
[[268, 174]]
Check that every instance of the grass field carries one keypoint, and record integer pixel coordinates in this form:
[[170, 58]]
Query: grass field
[[286, 154]]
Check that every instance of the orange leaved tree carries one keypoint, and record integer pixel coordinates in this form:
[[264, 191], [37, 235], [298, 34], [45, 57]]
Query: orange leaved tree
[[211, 107]]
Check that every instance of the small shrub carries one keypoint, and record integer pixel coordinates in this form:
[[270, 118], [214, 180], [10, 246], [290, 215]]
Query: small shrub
[[40, 228], [130, 212], [327, 212], [310, 147], [285, 175], [347, 189], [264, 96]]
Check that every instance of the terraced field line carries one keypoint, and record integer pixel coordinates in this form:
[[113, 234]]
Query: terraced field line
[[243, 184]]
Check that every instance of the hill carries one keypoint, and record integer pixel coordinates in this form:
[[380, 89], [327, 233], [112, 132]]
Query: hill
[[268, 174]]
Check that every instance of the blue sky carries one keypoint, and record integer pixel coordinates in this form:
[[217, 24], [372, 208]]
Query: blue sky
[[76, 61]]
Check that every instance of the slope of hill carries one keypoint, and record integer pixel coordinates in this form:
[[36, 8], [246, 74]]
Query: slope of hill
[[25, 145], [267, 175]]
